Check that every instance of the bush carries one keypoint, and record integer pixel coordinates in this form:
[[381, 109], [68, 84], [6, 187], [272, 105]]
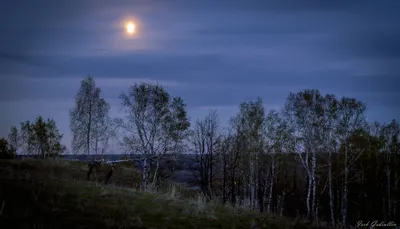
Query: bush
[[6, 151]]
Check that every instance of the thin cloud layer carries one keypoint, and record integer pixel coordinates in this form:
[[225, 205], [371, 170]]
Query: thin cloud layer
[[215, 54]]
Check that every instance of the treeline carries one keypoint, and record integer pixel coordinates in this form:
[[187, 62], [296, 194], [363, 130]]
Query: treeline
[[317, 158], [40, 138]]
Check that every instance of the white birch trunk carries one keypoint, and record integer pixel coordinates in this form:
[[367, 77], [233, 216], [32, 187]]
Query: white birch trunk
[[251, 183], [396, 181], [102, 153], [144, 174], [314, 185], [309, 185], [271, 184], [282, 203], [97, 147], [309, 195], [256, 200], [388, 172], [345, 184], [331, 195], [313, 168], [156, 172], [265, 195]]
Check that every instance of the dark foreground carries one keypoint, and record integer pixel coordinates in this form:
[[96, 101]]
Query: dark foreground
[[55, 194]]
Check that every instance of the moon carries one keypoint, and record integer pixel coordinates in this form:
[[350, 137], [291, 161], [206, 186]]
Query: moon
[[130, 28]]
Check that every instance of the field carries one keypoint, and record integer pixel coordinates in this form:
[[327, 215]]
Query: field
[[56, 194]]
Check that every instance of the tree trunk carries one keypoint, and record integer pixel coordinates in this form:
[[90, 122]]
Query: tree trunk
[[144, 174], [282, 207], [271, 184], [89, 128], [309, 189], [210, 179], [396, 181], [314, 184], [224, 179], [388, 173], [331, 195], [265, 192], [255, 200], [233, 186], [251, 183], [260, 192], [156, 172], [96, 147], [88, 139], [339, 199], [345, 185]]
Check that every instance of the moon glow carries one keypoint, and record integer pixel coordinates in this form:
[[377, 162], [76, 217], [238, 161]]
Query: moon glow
[[130, 28]]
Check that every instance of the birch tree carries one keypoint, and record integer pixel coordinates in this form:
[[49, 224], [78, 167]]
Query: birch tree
[[156, 124], [88, 117], [351, 118], [390, 134], [305, 113], [330, 145], [26, 136], [105, 133], [253, 120], [274, 142]]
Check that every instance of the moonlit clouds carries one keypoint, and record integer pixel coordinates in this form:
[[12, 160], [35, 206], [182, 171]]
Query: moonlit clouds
[[215, 54]]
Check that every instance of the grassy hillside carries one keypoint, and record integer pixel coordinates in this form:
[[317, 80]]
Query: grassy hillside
[[55, 194]]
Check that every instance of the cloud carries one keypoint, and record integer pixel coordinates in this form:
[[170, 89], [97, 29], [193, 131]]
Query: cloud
[[215, 54], [22, 87], [28, 109], [124, 82], [264, 5]]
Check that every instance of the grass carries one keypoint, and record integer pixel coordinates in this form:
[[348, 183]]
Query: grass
[[55, 194]]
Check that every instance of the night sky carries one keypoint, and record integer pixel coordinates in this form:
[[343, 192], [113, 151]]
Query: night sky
[[215, 54]]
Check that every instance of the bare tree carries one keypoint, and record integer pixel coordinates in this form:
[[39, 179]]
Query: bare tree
[[88, 116], [237, 139], [105, 133], [205, 136]]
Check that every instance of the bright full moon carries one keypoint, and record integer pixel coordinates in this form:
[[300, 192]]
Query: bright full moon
[[130, 28]]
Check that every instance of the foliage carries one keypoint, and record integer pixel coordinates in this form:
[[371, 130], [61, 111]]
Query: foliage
[[89, 118], [157, 124], [41, 138], [6, 151], [317, 158]]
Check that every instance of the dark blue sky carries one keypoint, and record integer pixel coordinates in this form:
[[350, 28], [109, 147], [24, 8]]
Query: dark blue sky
[[215, 54]]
